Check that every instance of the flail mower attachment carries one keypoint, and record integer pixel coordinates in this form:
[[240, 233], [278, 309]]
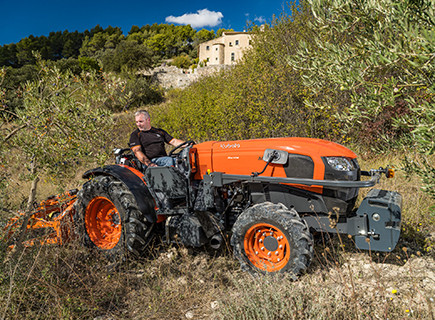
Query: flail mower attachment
[[50, 223]]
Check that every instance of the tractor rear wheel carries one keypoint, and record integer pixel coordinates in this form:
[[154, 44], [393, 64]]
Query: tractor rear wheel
[[108, 218], [269, 238]]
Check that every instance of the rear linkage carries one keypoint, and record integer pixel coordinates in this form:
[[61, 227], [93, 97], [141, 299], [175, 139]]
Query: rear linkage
[[50, 223]]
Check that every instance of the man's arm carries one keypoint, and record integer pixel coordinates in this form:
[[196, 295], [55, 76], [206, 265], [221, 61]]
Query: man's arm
[[175, 142], [142, 157]]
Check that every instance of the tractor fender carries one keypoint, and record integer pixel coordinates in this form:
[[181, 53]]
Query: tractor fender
[[134, 181]]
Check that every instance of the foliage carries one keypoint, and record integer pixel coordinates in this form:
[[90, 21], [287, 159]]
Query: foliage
[[203, 35], [64, 65], [128, 56], [12, 83], [58, 45], [107, 48], [162, 40], [61, 121], [8, 55], [132, 92], [101, 40], [373, 62], [183, 61], [168, 40], [220, 31], [88, 64]]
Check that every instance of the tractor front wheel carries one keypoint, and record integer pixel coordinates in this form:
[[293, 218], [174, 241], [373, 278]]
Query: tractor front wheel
[[269, 238], [108, 218]]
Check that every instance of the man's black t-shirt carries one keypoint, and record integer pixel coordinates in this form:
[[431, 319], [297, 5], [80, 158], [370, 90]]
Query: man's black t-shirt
[[151, 141]]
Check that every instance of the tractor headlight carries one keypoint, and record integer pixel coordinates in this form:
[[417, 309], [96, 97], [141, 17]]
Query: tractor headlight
[[341, 163]]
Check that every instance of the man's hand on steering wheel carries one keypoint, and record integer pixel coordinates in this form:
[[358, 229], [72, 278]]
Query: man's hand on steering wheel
[[183, 145]]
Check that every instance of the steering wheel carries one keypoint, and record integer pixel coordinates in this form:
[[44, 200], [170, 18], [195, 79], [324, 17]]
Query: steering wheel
[[183, 145]]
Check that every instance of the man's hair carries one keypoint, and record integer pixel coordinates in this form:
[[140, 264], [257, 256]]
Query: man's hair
[[143, 112]]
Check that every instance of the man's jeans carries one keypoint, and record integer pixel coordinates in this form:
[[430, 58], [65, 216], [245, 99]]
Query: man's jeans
[[163, 161]]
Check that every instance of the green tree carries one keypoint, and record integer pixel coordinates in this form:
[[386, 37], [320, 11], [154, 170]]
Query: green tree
[[128, 56], [25, 48], [8, 55], [134, 29], [100, 40], [203, 35], [222, 30]]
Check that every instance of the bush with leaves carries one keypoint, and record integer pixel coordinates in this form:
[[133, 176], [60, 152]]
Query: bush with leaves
[[71, 64], [182, 61], [88, 64]]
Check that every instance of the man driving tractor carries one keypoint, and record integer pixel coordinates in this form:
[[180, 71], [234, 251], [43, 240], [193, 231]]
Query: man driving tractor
[[148, 143]]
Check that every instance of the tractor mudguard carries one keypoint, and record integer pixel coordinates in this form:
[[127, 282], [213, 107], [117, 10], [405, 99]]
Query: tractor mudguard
[[133, 180]]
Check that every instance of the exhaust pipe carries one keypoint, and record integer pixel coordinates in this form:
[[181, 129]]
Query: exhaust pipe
[[216, 241]]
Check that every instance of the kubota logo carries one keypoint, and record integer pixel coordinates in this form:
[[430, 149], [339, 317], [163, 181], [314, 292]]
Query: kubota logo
[[229, 145]]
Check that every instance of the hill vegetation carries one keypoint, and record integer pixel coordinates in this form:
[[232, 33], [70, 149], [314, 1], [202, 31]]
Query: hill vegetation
[[164, 40], [103, 50], [359, 73]]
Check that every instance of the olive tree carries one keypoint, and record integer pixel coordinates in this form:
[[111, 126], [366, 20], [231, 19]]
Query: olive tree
[[63, 121], [375, 62]]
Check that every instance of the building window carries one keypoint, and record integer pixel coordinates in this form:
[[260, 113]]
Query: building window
[[237, 42], [208, 59], [207, 48], [231, 44], [217, 49], [216, 59], [232, 56]]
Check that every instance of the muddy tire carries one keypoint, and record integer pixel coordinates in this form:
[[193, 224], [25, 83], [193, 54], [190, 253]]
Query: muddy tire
[[269, 238], [107, 218]]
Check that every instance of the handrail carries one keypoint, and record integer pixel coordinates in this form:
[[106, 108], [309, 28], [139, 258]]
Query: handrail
[[219, 179]]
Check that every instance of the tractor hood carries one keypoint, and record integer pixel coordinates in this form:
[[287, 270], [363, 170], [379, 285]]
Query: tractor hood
[[246, 156]]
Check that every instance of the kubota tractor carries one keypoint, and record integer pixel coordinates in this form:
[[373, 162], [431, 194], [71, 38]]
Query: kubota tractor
[[267, 196]]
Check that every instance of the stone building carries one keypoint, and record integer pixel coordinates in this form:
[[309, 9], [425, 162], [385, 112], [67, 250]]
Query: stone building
[[225, 50]]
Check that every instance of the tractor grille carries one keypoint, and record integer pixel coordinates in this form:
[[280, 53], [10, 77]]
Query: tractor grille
[[299, 166]]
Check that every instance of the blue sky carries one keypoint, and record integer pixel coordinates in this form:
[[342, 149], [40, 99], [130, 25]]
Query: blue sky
[[29, 17]]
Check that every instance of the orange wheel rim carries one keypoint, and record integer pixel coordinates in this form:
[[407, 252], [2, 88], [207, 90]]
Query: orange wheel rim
[[103, 223], [267, 247]]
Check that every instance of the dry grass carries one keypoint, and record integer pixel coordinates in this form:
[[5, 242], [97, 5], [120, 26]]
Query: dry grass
[[72, 282], [178, 283]]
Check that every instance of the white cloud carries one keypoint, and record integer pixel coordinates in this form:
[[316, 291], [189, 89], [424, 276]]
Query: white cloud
[[200, 19], [260, 19]]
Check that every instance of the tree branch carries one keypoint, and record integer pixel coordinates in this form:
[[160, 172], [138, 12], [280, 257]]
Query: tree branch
[[13, 132]]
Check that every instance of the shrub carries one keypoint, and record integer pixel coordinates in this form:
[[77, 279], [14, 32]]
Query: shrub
[[182, 62]]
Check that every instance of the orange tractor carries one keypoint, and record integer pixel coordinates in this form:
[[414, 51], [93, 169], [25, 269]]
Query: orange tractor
[[267, 197]]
